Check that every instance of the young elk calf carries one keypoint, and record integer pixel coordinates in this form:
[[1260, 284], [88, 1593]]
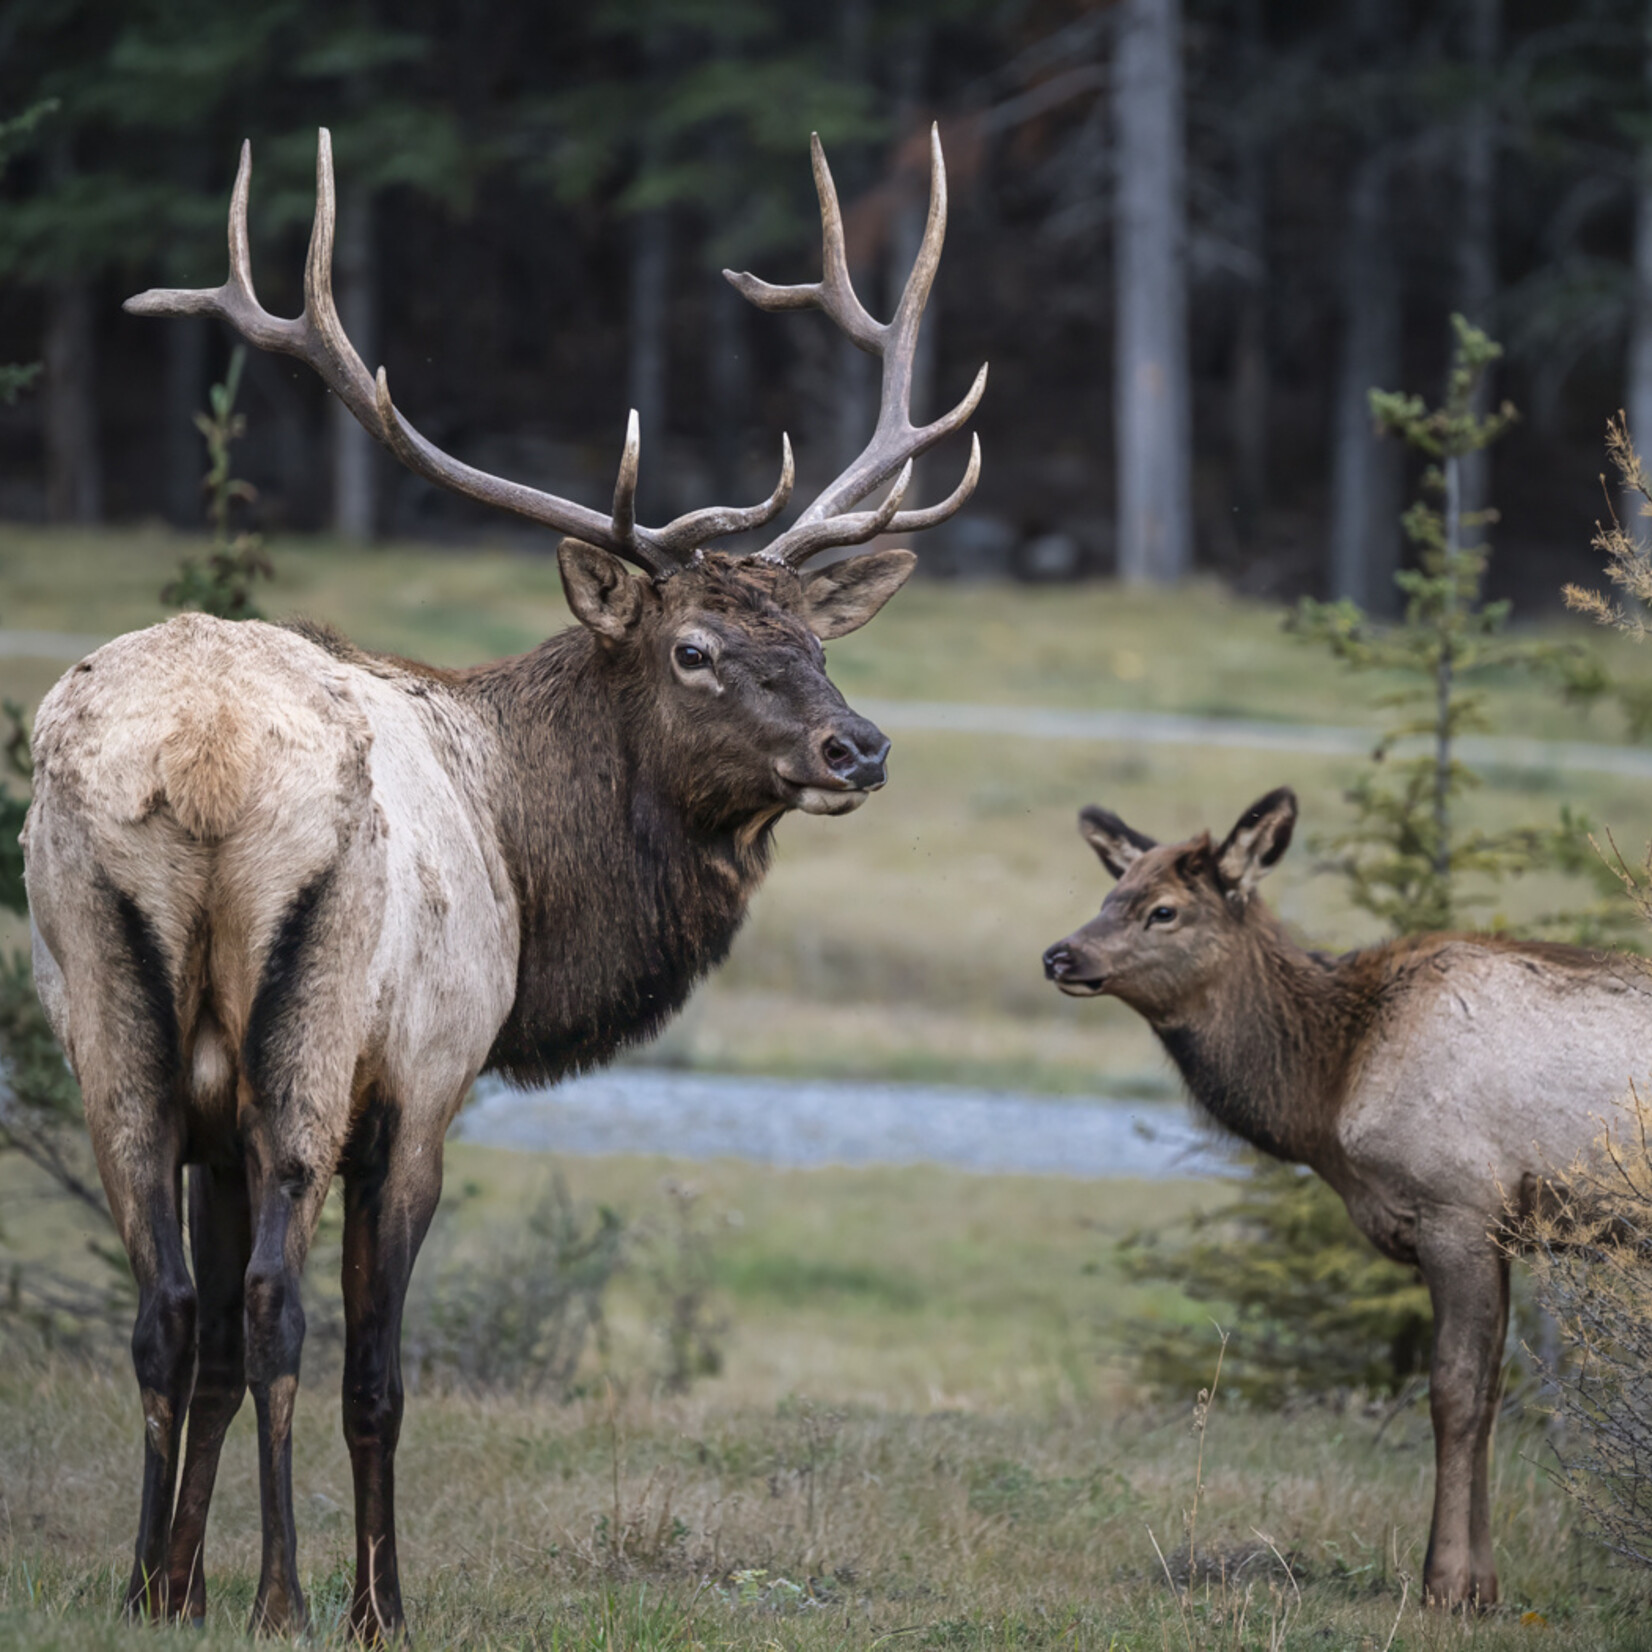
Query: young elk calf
[[1432, 1081]]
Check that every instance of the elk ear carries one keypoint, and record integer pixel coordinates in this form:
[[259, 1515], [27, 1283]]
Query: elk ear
[[1253, 847], [603, 593], [1116, 845], [843, 597]]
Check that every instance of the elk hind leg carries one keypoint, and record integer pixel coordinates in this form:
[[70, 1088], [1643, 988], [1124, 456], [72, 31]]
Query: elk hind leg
[[163, 1356], [286, 1201], [297, 1061], [127, 1061], [220, 1233], [390, 1194]]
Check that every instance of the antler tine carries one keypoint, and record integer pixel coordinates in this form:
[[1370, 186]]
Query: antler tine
[[833, 293], [896, 441], [348, 376], [853, 529], [917, 520], [697, 527], [624, 517]]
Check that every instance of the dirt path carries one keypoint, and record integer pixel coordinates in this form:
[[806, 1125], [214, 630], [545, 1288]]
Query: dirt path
[[1127, 728]]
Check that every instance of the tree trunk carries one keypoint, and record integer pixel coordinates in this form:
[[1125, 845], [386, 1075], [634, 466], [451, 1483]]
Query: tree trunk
[[1366, 471], [1477, 217], [729, 398], [1151, 402], [74, 472], [1639, 394], [355, 453], [646, 370], [854, 390], [1249, 403], [184, 396]]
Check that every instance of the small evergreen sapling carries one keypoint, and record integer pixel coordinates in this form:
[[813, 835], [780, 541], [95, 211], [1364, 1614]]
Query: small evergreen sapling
[[1408, 858], [223, 586]]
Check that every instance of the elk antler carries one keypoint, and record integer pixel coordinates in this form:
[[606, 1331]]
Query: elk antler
[[896, 442], [317, 338]]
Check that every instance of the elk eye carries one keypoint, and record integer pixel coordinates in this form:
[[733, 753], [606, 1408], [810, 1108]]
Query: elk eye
[[1161, 915], [691, 658]]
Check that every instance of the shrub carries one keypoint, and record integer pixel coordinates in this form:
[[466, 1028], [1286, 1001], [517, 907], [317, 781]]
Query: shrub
[[1311, 1307], [1590, 1255], [521, 1318]]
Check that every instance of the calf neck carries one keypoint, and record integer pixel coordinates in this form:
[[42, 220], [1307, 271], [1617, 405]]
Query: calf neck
[[1434, 1082]]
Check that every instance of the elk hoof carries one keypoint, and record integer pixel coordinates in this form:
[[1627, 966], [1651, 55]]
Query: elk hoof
[[1452, 1588]]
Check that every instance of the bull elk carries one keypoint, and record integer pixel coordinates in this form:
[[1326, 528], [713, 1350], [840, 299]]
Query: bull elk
[[290, 897], [1434, 1082]]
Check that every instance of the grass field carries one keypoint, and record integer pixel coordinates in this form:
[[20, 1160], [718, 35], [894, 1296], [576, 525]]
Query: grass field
[[923, 1433]]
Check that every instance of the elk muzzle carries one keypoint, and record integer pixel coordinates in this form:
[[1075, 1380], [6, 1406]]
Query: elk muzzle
[[846, 764], [1075, 976]]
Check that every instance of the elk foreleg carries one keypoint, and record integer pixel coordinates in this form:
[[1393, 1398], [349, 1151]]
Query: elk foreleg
[[1468, 1283], [390, 1194], [220, 1232]]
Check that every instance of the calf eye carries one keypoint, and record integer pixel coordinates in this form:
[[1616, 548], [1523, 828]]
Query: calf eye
[[1161, 915], [691, 658]]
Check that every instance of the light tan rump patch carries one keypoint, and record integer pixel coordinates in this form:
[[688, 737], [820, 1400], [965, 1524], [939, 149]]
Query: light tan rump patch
[[206, 767]]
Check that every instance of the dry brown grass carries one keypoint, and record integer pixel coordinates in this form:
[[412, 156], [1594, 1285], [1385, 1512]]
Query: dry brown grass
[[923, 1433]]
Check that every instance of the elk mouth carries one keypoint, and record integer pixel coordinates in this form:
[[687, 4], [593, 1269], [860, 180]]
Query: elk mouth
[[822, 794], [1084, 989], [845, 776], [1061, 967]]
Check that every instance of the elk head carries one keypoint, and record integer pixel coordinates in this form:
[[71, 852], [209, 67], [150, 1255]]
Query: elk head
[[726, 659], [729, 646], [1170, 927]]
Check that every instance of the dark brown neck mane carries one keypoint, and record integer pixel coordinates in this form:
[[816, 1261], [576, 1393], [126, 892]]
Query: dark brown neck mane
[[626, 902]]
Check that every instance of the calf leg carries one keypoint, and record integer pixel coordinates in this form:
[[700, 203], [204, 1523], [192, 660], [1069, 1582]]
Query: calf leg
[[220, 1233], [1468, 1283], [390, 1195]]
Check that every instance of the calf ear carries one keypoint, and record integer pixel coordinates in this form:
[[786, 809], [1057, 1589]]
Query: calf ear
[[603, 593], [843, 597], [1262, 835], [1115, 844]]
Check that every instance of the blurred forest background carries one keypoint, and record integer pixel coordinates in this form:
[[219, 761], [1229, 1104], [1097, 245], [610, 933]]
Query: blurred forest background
[[1189, 238]]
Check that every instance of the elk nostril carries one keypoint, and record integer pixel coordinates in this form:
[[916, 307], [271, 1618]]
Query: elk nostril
[[836, 753], [1057, 961]]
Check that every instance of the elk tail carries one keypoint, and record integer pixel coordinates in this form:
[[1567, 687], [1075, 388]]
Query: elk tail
[[206, 764]]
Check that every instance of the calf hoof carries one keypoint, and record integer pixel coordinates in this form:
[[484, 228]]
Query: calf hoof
[[1454, 1587]]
